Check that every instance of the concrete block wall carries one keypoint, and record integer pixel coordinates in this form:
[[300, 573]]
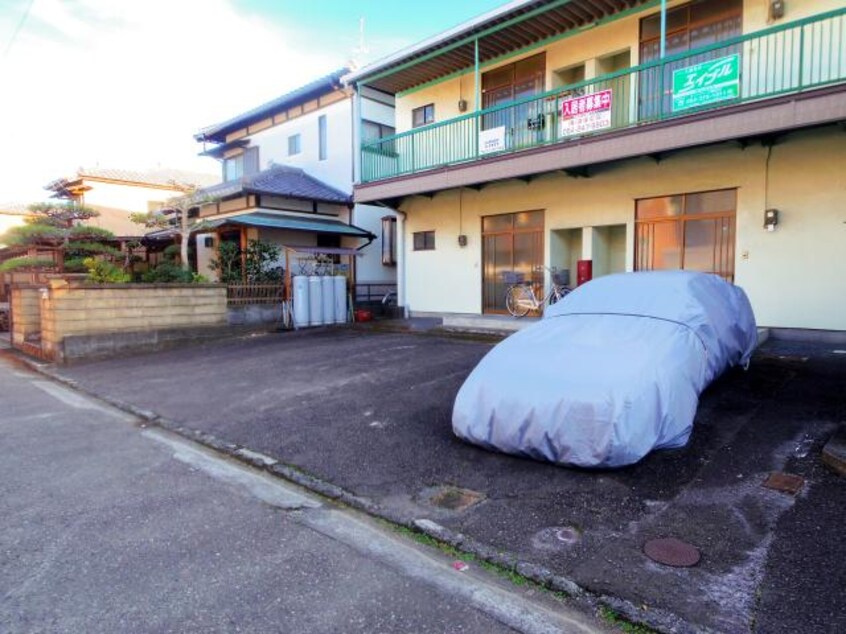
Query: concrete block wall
[[26, 312], [73, 310]]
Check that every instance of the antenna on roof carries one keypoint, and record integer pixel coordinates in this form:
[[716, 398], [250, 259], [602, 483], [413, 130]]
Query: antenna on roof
[[360, 51]]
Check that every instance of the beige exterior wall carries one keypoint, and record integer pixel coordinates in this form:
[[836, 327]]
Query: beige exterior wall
[[585, 47], [794, 276]]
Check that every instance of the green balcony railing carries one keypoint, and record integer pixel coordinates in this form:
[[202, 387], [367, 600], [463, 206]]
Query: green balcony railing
[[789, 58]]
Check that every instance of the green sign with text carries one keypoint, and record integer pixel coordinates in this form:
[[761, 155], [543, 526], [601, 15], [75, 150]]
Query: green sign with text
[[708, 82]]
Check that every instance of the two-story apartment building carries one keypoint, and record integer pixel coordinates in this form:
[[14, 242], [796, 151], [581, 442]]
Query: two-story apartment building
[[288, 168], [622, 135]]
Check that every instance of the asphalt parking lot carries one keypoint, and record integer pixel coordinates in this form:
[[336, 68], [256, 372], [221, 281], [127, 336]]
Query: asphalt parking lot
[[370, 412]]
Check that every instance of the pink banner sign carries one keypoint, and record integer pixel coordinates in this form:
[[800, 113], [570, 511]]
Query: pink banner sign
[[586, 113]]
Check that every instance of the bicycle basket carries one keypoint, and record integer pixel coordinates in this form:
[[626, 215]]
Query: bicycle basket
[[512, 277], [561, 278]]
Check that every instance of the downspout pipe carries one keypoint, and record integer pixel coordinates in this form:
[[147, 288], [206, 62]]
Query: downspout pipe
[[401, 218], [663, 44]]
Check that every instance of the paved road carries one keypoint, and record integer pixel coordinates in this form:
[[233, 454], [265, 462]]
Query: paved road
[[106, 527], [371, 413]]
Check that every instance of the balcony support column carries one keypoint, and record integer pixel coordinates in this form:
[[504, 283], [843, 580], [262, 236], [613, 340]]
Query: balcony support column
[[477, 95], [663, 28], [358, 156]]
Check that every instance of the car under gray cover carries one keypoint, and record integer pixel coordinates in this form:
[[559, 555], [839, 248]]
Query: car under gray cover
[[611, 372]]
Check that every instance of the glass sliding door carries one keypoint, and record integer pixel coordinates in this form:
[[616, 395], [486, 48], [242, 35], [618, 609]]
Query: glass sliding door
[[509, 83], [510, 243]]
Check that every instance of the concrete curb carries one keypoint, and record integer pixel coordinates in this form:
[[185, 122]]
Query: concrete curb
[[834, 451], [655, 618]]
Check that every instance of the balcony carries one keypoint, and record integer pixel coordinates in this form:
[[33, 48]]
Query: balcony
[[758, 67]]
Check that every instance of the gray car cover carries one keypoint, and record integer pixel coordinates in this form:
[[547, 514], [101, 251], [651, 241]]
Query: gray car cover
[[611, 372]]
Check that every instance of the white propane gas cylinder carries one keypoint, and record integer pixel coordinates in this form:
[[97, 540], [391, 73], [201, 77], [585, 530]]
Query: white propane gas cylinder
[[301, 307], [315, 301], [328, 299], [340, 299]]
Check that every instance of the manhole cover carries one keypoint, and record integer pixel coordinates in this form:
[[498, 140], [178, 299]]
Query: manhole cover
[[784, 482], [452, 498], [672, 552]]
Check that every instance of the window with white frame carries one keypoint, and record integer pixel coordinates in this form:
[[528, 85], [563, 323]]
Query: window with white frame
[[244, 164], [424, 115], [294, 145], [322, 138]]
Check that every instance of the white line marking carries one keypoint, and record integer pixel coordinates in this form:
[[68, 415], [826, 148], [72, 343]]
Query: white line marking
[[80, 401], [416, 562], [264, 487], [504, 605]]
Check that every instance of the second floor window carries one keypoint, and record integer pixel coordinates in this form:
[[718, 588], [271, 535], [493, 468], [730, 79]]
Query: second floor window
[[372, 131], [294, 145], [245, 164], [424, 115], [323, 138]]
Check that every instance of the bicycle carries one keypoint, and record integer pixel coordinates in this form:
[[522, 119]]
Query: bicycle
[[520, 298]]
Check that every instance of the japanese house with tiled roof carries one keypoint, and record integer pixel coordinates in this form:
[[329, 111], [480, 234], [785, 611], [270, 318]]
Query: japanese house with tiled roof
[[615, 135], [287, 178]]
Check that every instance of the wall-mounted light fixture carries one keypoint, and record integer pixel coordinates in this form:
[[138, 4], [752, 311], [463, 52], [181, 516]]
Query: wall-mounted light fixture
[[776, 9], [462, 105], [770, 219], [462, 240]]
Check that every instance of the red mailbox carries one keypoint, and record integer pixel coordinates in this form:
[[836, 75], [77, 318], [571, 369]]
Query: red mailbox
[[584, 271]]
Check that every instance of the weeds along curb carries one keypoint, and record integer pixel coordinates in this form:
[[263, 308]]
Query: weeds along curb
[[650, 617]]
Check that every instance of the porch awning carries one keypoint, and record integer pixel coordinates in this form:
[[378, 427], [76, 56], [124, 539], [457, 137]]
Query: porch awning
[[290, 223]]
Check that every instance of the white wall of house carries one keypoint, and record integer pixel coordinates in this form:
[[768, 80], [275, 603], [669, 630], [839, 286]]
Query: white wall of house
[[369, 267], [336, 170], [794, 276]]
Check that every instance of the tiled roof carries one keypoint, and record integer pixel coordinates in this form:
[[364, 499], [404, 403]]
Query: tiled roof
[[281, 180], [321, 86], [159, 177]]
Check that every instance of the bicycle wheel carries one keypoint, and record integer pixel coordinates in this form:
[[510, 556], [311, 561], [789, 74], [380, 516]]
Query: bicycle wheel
[[560, 293], [519, 300]]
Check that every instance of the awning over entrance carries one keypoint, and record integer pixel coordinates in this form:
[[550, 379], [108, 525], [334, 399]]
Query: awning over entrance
[[290, 223]]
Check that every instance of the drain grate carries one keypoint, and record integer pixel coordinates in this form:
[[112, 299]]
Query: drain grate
[[784, 482], [452, 498], [672, 552]]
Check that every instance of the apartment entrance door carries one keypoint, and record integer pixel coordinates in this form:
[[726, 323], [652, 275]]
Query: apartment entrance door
[[510, 243]]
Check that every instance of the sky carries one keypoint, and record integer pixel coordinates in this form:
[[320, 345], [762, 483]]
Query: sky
[[126, 83]]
